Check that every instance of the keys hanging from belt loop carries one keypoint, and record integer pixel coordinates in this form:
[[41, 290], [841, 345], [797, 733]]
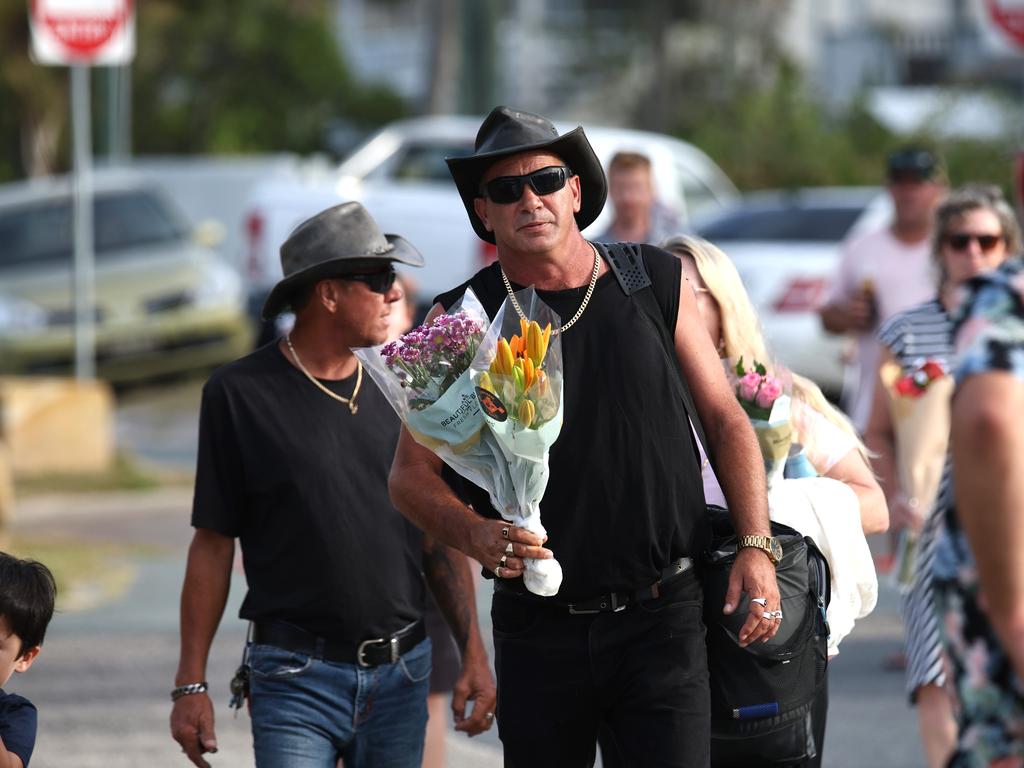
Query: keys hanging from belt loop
[[239, 685]]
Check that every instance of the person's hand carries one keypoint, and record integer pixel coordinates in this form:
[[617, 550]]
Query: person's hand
[[489, 545], [192, 727], [860, 312], [476, 684], [753, 573], [906, 513]]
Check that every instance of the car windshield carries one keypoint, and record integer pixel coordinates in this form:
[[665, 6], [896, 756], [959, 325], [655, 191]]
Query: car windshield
[[790, 223], [42, 232]]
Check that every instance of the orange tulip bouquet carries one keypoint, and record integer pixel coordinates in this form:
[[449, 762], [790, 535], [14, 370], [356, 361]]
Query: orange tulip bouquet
[[487, 398]]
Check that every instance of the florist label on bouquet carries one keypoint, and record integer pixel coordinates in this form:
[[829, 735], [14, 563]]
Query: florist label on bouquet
[[492, 405], [454, 418]]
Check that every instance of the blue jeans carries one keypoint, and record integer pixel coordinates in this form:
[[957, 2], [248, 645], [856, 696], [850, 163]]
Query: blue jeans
[[307, 712]]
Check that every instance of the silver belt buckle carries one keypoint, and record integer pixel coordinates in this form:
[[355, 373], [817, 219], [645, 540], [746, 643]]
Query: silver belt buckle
[[361, 650]]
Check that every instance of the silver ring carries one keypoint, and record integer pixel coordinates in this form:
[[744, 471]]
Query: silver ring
[[762, 601], [504, 532], [502, 561], [772, 615], [508, 549], [489, 715]]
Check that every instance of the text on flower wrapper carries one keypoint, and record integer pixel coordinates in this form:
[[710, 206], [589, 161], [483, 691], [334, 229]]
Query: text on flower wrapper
[[468, 407]]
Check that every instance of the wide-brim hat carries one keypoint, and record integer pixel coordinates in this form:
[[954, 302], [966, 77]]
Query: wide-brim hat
[[341, 240], [508, 132]]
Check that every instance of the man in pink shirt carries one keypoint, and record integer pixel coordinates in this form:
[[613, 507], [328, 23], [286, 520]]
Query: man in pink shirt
[[886, 271]]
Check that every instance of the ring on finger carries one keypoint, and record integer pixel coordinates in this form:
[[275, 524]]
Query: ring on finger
[[504, 532], [772, 615], [504, 559], [508, 549], [762, 601]]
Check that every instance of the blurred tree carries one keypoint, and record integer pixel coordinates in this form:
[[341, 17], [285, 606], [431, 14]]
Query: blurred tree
[[34, 98], [244, 76]]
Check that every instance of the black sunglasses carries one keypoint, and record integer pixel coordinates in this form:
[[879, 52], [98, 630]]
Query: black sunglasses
[[960, 240], [378, 282], [509, 189]]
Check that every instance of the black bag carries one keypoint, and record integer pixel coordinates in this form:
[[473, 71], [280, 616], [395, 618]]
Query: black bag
[[762, 695]]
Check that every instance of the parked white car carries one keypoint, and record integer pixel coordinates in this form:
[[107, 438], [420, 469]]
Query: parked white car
[[400, 175], [785, 245]]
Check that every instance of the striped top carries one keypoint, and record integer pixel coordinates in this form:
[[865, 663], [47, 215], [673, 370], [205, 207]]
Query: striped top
[[922, 332]]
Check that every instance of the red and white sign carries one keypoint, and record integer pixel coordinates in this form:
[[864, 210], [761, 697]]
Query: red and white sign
[[1008, 16], [82, 31]]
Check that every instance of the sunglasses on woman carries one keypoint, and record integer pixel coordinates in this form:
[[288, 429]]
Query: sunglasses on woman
[[378, 282], [959, 241], [509, 189]]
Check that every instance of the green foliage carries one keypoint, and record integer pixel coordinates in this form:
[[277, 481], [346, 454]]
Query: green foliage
[[778, 136], [219, 77], [240, 76]]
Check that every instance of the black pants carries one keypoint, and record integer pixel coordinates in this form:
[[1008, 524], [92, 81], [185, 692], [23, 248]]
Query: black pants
[[638, 677]]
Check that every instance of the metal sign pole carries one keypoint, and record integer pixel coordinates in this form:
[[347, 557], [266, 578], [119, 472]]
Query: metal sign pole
[[84, 282]]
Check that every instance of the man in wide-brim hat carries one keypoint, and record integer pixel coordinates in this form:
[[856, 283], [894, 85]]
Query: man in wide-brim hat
[[294, 450], [620, 649]]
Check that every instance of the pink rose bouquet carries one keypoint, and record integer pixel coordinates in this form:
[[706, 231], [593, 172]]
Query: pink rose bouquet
[[762, 397]]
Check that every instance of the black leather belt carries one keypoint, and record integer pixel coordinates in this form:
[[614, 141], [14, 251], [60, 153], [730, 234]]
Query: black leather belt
[[368, 653], [611, 602]]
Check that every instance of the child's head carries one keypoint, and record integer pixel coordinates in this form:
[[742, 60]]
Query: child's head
[[27, 593]]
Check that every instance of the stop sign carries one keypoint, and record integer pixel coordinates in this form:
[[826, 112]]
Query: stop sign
[[1008, 15], [82, 31]]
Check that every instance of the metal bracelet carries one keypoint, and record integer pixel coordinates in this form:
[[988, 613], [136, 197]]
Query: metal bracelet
[[188, 690]]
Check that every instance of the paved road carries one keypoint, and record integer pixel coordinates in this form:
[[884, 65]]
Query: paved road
[[101, 683]]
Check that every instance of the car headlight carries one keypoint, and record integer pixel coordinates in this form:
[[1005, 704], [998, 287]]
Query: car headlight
[[218, 284], [20, 317]]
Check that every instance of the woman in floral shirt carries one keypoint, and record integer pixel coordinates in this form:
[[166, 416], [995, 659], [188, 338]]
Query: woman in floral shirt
[[979, 559]]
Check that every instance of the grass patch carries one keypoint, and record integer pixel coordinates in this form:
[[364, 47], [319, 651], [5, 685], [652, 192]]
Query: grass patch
[[127, 474], [87, 574]]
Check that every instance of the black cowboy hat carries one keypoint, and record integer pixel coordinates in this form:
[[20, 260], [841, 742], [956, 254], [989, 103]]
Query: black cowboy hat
[[341, 240], [508, 132]]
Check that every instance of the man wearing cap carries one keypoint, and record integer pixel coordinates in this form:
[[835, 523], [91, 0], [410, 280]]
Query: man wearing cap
[[294, 449], [620, 649], [885, 271]]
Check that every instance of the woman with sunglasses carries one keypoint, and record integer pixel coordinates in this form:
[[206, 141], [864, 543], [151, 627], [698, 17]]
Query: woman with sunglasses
[[975, 231]]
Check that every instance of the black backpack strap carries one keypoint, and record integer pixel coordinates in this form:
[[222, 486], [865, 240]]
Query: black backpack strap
[[626, 261]]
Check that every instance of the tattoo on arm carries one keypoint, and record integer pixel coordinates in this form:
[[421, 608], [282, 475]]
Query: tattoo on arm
[[450, 578]]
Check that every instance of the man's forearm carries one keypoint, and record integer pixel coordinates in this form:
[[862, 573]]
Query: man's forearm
[[739, 467], [450, 577], [420, 493], [203, 597], [988, 449]]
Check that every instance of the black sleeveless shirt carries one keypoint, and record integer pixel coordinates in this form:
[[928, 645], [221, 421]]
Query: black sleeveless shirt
[[625, 496]]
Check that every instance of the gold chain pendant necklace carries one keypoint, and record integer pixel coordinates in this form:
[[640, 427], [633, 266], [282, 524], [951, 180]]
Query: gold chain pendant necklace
[[586, 297], [349, 401]]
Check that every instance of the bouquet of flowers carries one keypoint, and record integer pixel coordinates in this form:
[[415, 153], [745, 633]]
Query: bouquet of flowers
[[919, 405], [762, 398], [486, 400]]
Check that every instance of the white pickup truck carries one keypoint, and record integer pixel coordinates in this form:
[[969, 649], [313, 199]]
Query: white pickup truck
[[400, 175]]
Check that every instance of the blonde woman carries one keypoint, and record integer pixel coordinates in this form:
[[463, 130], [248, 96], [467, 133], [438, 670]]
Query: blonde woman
[[830, 442]]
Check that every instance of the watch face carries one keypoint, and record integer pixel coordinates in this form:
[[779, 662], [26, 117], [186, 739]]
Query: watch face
[[776, 548]]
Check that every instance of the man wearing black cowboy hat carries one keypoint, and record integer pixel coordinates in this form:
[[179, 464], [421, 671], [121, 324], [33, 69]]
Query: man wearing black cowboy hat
[[620, 649], [294, 449]]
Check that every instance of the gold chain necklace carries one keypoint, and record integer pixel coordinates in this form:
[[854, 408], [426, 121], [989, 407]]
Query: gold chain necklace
[[349, 401], [586, 297]]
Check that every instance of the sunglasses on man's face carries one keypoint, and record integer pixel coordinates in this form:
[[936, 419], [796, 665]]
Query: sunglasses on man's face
[[959, 241], [378, 282], [509, 189]]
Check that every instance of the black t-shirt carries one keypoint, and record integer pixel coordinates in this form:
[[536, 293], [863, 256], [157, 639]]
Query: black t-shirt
[[625, 496], [17, 725], [303, 484]]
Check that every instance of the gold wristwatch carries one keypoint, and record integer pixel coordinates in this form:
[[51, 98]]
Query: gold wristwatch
[[767, 544]]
